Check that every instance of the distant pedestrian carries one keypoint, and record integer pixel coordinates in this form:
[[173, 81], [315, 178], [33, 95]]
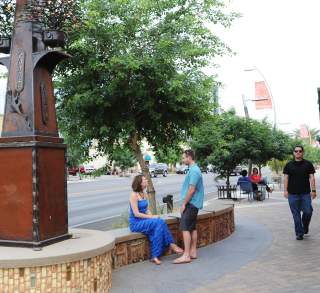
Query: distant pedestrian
[[298, 178], [192, 196]]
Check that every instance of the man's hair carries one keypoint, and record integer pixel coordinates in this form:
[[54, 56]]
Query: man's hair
[[190, 153], [244, 173], [136, 183], [299, 146]]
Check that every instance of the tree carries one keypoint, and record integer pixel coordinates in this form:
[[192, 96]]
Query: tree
[[123, 158], [169, 155], [223, 142], [313, 134], [227, 140], [137, 73], [271, 144], [7, 8], [312, 154]]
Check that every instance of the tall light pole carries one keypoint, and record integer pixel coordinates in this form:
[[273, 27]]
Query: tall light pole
[[255, 68], [246, 112]]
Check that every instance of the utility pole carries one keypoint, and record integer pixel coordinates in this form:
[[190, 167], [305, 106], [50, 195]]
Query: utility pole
[[246, 112]]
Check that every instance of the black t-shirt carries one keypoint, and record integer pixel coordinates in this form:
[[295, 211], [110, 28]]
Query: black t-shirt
[[299, 171]]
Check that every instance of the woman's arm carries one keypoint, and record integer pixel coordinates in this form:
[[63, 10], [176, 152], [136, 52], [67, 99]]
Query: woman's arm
[[135, 209]]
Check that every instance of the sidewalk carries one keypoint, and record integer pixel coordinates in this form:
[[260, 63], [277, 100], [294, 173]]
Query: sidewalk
[[261, 256]]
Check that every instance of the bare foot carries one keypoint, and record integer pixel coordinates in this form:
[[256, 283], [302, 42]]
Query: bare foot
[[182, 259], [193, 254], [176, 249], [156, 261]]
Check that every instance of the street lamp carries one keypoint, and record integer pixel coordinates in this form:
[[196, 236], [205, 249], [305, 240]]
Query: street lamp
[[244, 100], [269, 89]]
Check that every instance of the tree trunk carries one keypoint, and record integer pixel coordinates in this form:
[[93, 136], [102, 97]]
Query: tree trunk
[[260, 167], [228, 186], [249, 167], [145, 170]]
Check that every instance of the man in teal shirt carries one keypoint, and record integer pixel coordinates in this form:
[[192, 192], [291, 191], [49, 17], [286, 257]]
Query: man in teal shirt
[[192, 196]]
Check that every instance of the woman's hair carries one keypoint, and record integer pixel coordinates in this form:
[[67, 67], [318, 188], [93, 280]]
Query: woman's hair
[[255, 169], [137, 183]]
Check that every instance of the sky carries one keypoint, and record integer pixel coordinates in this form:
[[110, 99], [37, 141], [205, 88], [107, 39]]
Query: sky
[[281, 39]]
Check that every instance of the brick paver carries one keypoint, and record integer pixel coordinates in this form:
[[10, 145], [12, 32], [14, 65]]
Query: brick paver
[[262, 256], [287, 265]]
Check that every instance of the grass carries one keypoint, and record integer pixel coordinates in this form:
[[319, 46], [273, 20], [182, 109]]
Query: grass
[[123, 221]]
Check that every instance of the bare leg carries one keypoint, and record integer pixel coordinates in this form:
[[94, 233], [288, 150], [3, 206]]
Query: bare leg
[[176, 249], [194, 239], [185, 258]]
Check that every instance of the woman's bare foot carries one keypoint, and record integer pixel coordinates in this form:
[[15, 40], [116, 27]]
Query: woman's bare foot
[[156, 261], [176, 249], [182, 259]]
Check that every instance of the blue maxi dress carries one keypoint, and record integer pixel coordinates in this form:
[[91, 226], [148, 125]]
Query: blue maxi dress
[[155, 229]]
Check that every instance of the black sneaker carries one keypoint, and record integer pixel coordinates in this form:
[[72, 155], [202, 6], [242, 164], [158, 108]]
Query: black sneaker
[[299, 237]]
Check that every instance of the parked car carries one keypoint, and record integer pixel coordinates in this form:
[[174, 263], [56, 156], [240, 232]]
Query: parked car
[[73, 171], [182, 169], [87, 169], [158, 169]]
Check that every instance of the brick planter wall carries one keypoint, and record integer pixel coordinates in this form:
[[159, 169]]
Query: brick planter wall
[[213, 225]]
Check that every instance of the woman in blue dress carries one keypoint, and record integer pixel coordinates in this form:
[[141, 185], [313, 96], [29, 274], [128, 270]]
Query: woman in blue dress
[[141, 220]]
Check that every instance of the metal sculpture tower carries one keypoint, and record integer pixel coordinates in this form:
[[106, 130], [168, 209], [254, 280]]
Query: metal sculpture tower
[[33, 190]]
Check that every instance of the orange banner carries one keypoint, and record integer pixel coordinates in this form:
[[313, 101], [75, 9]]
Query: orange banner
[[262, 94]]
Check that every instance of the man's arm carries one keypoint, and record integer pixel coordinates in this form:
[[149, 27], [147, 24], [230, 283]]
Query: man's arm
[[188, 197], [286, 180], [312, 179]]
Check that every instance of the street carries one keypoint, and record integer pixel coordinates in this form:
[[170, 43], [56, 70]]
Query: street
[[98, 202]]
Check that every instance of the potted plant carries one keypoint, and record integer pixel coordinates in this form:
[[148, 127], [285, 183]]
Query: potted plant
[[7, 8]]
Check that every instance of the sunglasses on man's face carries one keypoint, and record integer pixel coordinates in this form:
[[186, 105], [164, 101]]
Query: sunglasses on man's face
[[298, 151]]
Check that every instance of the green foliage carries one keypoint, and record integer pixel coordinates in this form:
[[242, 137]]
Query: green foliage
[[313, 135], [58, 15], [123, 158], [7, 8], [170, 155], [122, 222], [227, 140], [137, 70], [312, 153], [77, 152], [277, 165]]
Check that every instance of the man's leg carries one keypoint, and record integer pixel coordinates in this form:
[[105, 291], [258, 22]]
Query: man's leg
[[187, 243], [307, 211], [194, 240], [185, 258], [295, 207]]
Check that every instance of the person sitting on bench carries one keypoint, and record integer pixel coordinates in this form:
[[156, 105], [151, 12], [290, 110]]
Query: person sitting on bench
[[256, 179]]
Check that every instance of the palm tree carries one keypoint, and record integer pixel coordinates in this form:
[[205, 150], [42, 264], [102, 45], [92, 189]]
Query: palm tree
[[313, 133]]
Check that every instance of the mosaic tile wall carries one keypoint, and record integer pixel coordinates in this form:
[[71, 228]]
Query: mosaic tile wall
[[211, 228], [85, 276]]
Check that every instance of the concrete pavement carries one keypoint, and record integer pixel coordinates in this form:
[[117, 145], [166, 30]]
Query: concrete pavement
[[261, 256]]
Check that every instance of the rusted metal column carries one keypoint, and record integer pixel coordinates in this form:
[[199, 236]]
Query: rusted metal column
[[33, 188]]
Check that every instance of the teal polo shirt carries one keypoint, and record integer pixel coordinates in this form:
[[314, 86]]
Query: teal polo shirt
[[194, 177]]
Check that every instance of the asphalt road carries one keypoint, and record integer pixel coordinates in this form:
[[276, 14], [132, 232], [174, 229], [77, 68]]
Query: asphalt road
[[97, 203]]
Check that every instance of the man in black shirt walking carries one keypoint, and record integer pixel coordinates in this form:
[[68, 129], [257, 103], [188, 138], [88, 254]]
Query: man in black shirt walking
[[298, 178]]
